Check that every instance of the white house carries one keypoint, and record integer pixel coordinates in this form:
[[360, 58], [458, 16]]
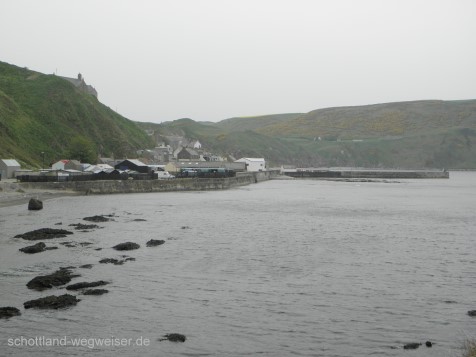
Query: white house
[[59, 165], [8, 168], [253, 164]]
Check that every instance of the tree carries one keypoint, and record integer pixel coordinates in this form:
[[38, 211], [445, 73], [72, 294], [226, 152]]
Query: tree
[[83, 150]]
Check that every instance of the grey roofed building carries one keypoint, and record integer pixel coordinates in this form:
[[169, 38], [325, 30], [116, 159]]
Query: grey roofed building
[[187, 154], [134, 165], [8, 168]]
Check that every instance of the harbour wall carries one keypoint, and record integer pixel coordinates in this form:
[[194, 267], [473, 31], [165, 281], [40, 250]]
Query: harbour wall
[[142, 186], [380, 174]]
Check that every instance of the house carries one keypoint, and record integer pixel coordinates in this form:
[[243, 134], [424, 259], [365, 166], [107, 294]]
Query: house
[[195, 144], [73, 165], [187, 154], [8, 168], [67, 165], [253, 164], [132, 165]]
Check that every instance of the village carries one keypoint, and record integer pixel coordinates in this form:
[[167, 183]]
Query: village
[[159, 163]]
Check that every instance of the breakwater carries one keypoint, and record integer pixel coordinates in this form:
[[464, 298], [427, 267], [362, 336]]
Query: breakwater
[[142, 186], [368, 174]]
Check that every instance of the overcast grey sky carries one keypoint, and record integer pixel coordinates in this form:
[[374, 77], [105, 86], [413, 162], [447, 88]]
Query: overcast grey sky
[[160, 60]]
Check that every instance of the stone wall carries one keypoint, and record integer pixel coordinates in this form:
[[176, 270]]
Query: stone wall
[[141, 186]]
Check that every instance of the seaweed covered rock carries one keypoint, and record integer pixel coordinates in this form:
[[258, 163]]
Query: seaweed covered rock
[[472, 313], [52, 302], [8, 311], [36, 248], [116, 261], [85, 284], [83, 227], [44, 233], [32, 249], [126, 246], [154, 242], [59, 277], [174, 337], [411, 346], [101, 218], [35, 204], [95, 292]]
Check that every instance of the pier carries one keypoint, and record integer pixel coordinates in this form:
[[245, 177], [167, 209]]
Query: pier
[[351, 173]]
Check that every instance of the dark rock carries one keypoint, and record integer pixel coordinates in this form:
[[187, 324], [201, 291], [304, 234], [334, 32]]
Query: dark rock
[[98, 249], [37, 248], [59, 277], [98, 218], [95, 292], [8, 311], [155, 242], [44, 233], [428, 344], [80, 226], [32, 249], [411, 346], [35, 204], [174, 337], [86, 266], [111, 261], [116, 261], [52, 302], [139, 220], [126, 246], [84, 244], [472, 313], [85, 284], [185, 227], [58, 224]]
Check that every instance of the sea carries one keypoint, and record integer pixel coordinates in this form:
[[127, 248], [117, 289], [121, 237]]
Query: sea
[[278, 268]]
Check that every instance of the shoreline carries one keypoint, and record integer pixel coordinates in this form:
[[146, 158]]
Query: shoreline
[[13, 194]]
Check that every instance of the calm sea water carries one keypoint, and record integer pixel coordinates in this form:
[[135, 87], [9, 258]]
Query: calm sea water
[[280, 268]]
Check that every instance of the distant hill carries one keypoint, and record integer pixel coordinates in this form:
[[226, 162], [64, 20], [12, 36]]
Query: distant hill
[[379, 120], [45, 113], [420, 134]]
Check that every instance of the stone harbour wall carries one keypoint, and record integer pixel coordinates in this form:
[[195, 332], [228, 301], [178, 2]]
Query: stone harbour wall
[[141, 186]]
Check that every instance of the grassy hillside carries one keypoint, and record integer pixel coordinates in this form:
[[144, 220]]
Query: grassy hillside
[[255, 122], [380, 120], [421, 134], [44, 113]]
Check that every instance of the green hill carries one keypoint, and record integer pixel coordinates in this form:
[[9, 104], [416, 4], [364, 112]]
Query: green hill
[[380, 120], [420, 134], [45, 113]]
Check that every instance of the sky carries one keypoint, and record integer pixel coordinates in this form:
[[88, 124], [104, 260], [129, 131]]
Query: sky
[[209, 60]]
